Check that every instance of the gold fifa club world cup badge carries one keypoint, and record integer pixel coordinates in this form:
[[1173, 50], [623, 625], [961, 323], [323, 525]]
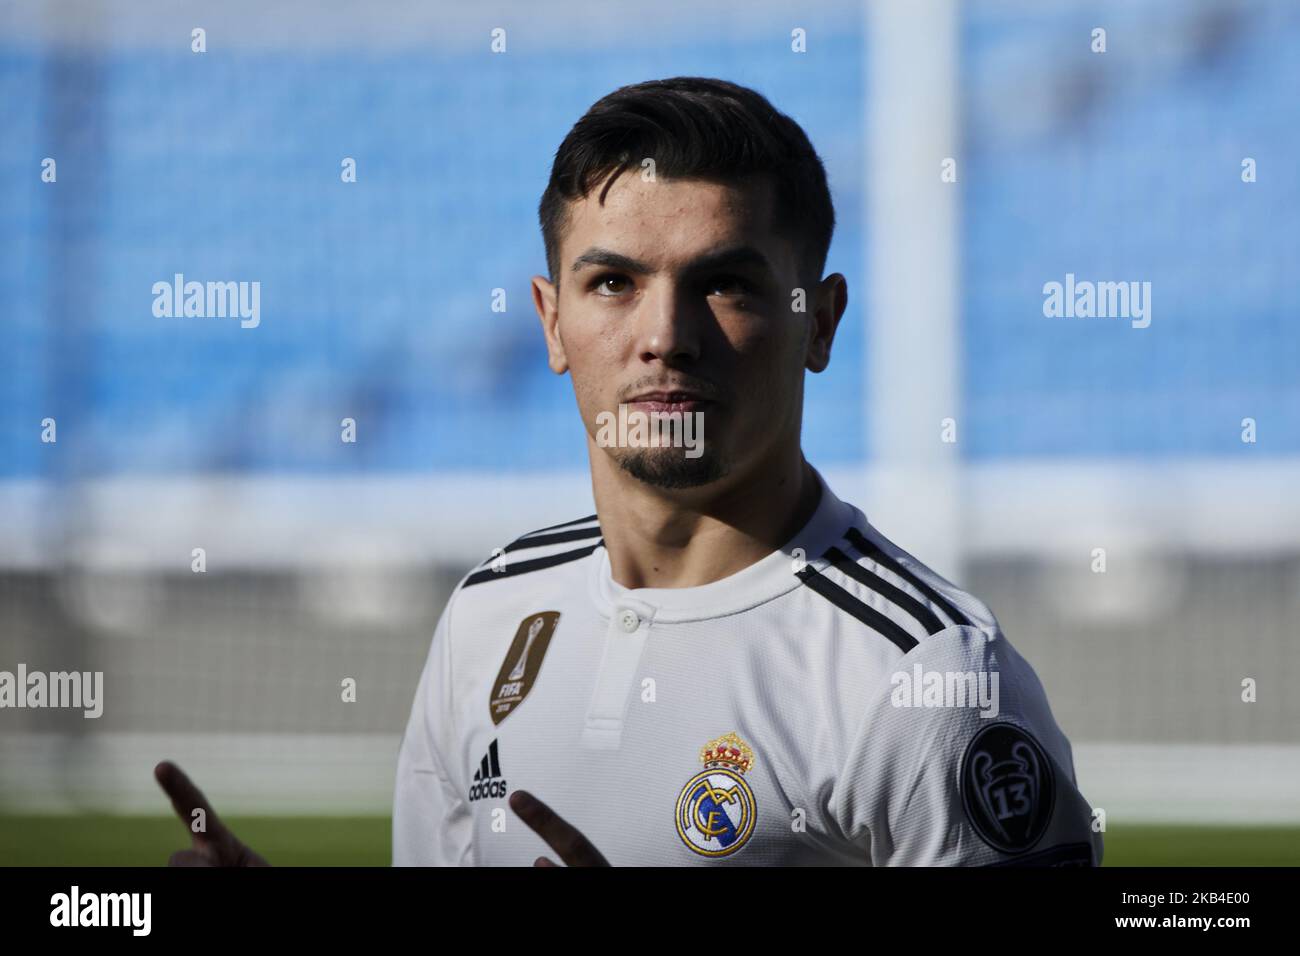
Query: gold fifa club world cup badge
[[524, 659]]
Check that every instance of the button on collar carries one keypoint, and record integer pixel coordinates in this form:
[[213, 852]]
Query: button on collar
[[628, 620]]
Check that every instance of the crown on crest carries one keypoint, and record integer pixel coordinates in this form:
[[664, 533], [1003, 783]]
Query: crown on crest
[[727, 751]]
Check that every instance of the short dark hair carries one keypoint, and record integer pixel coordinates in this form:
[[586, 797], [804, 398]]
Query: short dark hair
[[694, 127]]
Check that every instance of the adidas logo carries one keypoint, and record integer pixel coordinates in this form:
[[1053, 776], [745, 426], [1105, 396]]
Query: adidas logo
[[488, 781]]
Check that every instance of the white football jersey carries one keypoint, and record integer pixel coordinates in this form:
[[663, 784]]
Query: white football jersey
[[836, 702]]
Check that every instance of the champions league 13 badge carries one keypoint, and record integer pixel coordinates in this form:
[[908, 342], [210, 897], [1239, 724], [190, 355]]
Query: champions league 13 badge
[[1007, 788], [716, 808]]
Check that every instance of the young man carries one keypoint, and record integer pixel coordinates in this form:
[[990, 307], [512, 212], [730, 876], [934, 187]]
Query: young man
[[726, 664]]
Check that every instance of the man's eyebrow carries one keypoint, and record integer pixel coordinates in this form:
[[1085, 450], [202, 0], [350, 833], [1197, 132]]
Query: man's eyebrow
[[595, 256], [732, 257]]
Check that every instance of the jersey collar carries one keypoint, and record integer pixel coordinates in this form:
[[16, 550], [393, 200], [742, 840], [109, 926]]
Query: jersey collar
[[765, 579]]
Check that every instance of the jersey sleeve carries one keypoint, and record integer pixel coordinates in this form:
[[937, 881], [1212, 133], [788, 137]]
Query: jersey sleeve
[[958, 761], [431, 820]]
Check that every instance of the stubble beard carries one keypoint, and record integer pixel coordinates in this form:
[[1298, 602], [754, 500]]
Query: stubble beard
[[670, 468]]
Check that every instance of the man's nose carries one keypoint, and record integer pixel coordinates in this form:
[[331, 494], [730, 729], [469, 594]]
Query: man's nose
[[669, 325]]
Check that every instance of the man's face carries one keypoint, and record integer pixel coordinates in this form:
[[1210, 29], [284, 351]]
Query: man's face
[[676, 296]]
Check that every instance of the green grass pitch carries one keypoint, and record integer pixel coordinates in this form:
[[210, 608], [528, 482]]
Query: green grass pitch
[[364, 841]]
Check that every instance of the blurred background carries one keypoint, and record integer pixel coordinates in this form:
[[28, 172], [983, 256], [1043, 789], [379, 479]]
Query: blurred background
[[325, 560]]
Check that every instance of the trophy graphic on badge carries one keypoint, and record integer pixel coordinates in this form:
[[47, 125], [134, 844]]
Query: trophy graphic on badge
[[534, 629]]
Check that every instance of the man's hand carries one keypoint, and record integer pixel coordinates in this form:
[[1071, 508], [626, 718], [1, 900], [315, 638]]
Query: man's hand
[[214, 845], [571, 846]]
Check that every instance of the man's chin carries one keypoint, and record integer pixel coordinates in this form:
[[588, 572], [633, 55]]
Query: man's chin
[[670, 468]]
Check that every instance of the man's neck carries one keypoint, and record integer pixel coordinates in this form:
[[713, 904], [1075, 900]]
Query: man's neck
[[658, 538]]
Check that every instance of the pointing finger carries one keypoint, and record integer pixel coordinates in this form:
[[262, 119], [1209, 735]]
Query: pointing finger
[[562, 837], [186, 798]]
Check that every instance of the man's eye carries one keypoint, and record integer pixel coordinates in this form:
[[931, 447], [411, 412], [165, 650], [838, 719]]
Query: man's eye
[[730, 285], [611, 285]]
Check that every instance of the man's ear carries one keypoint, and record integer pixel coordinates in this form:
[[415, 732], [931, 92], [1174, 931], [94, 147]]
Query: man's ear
[[829, 303], [546, 300]]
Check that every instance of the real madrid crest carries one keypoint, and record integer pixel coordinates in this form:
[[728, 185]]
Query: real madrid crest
[[518, 673], [716, 808]]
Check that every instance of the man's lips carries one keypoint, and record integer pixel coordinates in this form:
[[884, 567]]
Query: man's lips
[[669, 401]]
